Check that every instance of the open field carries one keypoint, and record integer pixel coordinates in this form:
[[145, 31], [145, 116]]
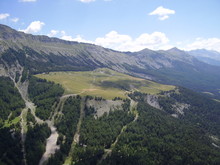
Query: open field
[[103, 83]]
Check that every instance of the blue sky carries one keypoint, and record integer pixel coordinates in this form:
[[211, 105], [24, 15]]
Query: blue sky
[[126, 25]]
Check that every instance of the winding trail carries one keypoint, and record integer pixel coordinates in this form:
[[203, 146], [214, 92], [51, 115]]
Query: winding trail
[[22, 88], [82, 115], [133, 109], [24, 129], [51, 144], [10, 72], [76, 136]]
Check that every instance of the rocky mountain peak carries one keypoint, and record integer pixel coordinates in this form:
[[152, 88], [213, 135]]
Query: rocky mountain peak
[[176, 51]]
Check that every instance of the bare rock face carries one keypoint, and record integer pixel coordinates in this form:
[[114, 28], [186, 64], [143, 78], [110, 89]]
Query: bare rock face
[[104, 106], [11, 70], [179, 109], [153, 101], [3, 72]]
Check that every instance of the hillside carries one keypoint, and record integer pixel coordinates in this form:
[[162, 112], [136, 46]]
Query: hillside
[[177, 67], [178, 122], [39, 54], [74, 103]]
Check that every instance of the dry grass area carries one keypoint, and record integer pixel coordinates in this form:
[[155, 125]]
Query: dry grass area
[[103, 82]]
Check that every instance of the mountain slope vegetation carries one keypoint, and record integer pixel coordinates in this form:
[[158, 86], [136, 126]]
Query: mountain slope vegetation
[[11, 106], [39, 54], [74, 103]]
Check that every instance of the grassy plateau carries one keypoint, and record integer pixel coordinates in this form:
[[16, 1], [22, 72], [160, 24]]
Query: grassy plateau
[[103, 82]]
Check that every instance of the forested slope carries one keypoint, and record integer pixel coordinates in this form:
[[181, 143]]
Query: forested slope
[[11, 106], [167, 127]]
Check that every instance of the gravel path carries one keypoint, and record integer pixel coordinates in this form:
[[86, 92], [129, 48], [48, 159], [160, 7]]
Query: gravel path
[[51, 146]]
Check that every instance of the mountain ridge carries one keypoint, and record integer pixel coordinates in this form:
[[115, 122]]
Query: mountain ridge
[[42, 54], [208, 56]]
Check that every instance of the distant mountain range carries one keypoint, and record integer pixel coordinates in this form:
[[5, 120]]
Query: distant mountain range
[[43, 54], [207, 56]]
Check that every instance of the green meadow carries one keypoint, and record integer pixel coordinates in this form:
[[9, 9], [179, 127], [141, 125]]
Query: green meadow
[[103, 82], [14, 121]]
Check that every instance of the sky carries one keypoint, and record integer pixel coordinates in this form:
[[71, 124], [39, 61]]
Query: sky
[[124, 25]]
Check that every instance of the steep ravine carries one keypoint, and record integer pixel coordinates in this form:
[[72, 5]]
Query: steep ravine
[[12, 72], [22, 87]]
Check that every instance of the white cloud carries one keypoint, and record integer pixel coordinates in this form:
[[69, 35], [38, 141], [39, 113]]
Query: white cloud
[[34, 27], [154, 41], [4, 15], [68, 38], [63, 33], [53, 33], [201, 43], [123, 42], [113, 40], [162, 12], [15, 20], [163, 17], [28, 0], [87, 1]]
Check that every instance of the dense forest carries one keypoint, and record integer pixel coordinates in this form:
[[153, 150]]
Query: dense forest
[[98, 134], [11, 105], [36, 142], [66, 125], [44, 94], [10, 100], [202, 112], [158, 138], [10, 147], [154, 138]]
